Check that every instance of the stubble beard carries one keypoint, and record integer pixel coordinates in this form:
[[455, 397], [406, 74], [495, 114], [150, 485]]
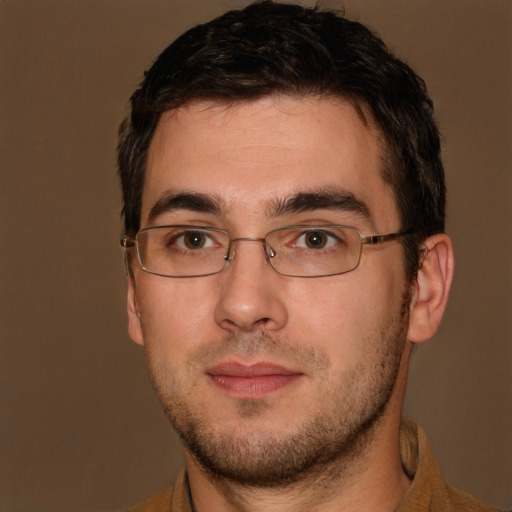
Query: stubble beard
[[341, 424]]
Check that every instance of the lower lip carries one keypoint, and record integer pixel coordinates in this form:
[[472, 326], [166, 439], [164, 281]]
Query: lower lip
[[253, 387]]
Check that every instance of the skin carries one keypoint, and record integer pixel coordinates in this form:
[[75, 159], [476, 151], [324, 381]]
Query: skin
[[342, 342]]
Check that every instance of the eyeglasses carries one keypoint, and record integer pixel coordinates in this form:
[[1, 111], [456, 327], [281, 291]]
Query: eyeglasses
[[296, 251]]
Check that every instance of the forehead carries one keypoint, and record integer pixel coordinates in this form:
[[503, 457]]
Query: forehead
[[252, 153]]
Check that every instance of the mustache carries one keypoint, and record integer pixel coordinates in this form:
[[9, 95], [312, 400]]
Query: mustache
[[260, 346]]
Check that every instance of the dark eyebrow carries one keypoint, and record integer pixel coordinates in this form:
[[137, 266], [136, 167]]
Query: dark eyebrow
[[340, 200], [192, 201]]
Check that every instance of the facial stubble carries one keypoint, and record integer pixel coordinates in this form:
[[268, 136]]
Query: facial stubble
[[336, 429]]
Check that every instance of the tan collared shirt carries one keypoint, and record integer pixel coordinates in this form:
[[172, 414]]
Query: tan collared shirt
[[428, 492]]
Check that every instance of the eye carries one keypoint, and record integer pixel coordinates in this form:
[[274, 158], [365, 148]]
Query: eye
[[316, 239], [192, 240]]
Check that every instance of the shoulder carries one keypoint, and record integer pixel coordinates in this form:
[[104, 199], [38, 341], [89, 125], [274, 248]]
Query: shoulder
[[160, 502], [461, 501], [172, 499], [428, 491]]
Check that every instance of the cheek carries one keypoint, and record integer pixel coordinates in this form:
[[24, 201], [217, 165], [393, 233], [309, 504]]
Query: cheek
[[345, 312], [175, 312], [328, 314]]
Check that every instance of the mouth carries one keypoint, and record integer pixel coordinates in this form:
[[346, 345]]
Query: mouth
[[252, 381]]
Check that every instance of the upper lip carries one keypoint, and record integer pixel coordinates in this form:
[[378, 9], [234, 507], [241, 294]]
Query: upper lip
[[235, 369]]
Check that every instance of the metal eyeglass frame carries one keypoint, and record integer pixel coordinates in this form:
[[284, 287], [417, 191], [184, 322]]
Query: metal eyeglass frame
[[128, 243]]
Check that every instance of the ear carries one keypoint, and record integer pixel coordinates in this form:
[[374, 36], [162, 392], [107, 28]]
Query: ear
[[431, 289], [134, 317]]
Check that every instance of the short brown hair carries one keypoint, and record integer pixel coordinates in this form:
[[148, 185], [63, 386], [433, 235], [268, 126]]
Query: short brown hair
[[270, 48]]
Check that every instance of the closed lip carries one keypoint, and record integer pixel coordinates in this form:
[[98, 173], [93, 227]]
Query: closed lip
[[252, 381], [235, 369]]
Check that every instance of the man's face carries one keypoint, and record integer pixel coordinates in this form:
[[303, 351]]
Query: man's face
[[267, 377]]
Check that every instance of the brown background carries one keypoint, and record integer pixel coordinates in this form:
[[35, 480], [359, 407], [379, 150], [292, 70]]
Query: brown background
[[81, 430]]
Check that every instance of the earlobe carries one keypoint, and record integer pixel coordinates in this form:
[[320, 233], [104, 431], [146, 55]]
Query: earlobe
[[432, 288], [134, 318]]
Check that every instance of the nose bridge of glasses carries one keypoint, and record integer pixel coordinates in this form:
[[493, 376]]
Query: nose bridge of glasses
[[269, 253]]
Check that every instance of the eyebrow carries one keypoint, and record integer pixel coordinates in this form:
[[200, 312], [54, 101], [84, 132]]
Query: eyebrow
[[324, 199], [306, 201], [192, 201]]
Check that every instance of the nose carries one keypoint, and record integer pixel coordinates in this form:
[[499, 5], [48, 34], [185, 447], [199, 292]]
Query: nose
[[250, 291]]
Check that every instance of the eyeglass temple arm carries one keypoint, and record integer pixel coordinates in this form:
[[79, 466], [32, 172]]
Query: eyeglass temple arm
[[377, 239]]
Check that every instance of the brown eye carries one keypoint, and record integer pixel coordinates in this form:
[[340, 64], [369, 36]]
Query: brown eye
[[315, 239], [194, 240]]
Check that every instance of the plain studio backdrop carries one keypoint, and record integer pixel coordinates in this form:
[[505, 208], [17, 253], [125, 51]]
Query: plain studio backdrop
[[81, 429]]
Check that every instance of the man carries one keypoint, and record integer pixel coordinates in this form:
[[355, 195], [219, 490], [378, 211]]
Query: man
[[284, 216]]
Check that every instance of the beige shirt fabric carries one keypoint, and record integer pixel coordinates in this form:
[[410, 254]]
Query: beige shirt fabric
[[428, 492]]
